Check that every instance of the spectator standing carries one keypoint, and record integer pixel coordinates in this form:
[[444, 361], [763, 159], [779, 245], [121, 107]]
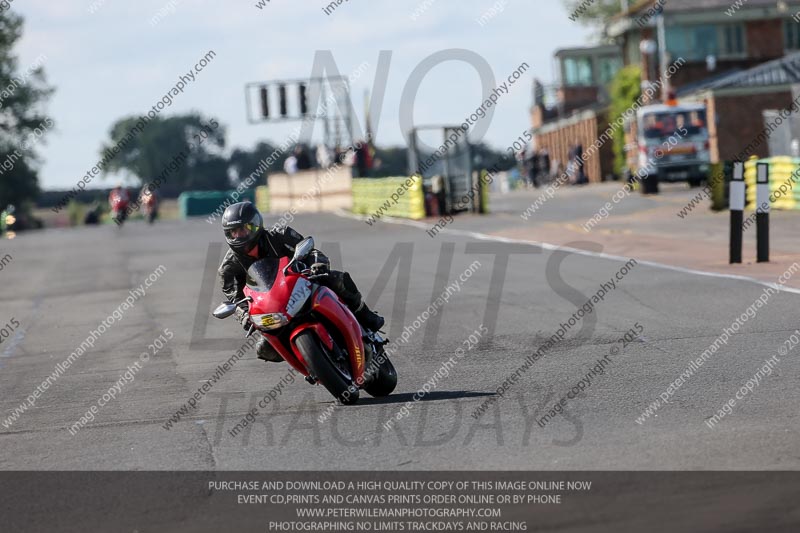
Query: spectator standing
[[290, 165], [363, 160], [545, 167], [323, 156], [303, 159], [580, 175], [533, 169]]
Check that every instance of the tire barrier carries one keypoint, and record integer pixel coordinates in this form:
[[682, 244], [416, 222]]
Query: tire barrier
[[262, 199], [396, 197], [784, 174], [718, 185]]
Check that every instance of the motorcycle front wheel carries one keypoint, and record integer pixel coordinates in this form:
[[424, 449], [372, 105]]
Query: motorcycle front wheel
[[334, 374], [385, 379]]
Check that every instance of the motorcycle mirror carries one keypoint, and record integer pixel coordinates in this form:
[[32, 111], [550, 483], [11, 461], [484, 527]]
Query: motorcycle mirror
[[304, 247], [224, 310]]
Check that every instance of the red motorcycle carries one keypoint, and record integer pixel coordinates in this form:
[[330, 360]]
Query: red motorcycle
[[119, 201], [312, 329], [149, 206]]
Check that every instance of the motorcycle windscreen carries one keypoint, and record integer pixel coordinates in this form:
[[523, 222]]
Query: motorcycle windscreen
[[262, 274]]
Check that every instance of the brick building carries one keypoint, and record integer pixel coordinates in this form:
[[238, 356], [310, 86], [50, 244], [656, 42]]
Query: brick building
[[740, 104], [574, 111], [738, 59]]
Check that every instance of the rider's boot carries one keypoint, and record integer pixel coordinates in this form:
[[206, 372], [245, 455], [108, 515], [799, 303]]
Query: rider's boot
[[368, 318]]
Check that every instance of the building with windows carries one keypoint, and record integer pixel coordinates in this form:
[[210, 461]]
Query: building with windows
[[584, 73], [572, 110], [714, 37], [738, 59]]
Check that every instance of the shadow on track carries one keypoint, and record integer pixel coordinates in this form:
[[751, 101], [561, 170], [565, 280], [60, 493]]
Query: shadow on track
[[429, 397]]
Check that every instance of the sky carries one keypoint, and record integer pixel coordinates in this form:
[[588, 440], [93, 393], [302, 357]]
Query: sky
[[111, 58]]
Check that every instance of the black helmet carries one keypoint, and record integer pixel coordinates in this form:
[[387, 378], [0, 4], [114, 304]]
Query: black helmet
[[243, 226]]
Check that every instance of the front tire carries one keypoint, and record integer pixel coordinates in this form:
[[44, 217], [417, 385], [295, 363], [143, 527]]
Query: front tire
[[384, 383], [333, 377]]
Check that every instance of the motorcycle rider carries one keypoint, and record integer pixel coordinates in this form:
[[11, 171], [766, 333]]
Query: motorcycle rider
[[118, 192], [148, 201], [249, 241], [119, 199]]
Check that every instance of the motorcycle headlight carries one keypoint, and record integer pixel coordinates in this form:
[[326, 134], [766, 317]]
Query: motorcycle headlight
[[270, 321]]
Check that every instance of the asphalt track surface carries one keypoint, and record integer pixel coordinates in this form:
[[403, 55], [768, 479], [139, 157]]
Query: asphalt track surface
[[61, 284]]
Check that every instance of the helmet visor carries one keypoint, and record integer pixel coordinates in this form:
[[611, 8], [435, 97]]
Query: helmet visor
[[241, 233]]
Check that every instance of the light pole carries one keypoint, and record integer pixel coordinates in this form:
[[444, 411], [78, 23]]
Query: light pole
[[648, 48]]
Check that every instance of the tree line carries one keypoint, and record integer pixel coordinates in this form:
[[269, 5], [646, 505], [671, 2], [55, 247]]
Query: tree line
[[196, 142]]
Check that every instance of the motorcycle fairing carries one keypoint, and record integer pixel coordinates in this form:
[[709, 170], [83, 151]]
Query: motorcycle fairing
[[269, 289], [327, 304]]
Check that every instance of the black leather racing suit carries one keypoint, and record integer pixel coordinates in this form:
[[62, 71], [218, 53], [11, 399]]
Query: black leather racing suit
[[281, 243]]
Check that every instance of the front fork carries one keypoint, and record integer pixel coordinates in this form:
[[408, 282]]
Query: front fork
[[373, 347]]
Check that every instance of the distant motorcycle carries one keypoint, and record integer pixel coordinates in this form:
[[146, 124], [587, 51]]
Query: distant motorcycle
[[149, 206], [119, 201], [312, 329]]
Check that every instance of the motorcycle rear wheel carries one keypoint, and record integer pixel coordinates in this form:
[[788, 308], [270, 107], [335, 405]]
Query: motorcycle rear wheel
[[338, 382]]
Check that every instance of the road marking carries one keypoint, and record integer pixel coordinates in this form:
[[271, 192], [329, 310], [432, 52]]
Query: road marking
[[19, 334], [577, 251]]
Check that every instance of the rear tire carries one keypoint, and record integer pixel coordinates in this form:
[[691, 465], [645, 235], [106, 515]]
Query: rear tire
[[333, 378], [384, 383]]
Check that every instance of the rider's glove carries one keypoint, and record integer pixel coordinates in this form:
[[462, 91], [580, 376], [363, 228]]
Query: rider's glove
[[319, 268], [320, 264]]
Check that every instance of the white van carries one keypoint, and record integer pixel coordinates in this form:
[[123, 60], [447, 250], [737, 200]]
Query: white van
[[672, 142]]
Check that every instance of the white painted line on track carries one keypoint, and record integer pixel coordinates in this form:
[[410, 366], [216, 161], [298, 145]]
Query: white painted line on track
[[577, 251]]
